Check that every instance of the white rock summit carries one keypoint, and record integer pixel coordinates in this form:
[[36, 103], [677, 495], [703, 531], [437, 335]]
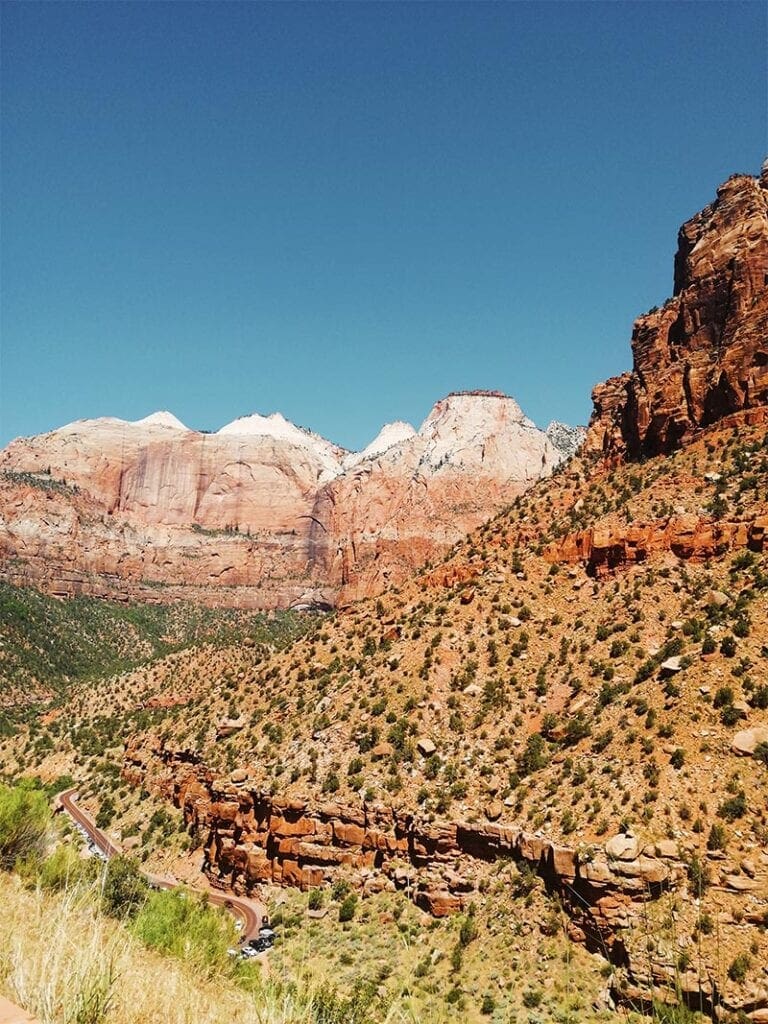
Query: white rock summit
[[262, 512]]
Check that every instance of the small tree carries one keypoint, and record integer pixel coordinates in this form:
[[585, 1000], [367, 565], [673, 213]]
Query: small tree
[[125, 892], [348, 907], [24, 822]]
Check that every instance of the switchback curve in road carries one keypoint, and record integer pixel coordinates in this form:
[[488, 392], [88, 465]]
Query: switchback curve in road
[[250, 912]]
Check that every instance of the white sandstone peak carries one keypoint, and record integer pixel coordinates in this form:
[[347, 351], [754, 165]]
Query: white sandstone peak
[[390, 435], [256, 425], [162, 418], [276, 427]]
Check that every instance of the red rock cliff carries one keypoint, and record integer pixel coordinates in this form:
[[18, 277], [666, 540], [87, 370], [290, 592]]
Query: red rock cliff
[[704, 354]]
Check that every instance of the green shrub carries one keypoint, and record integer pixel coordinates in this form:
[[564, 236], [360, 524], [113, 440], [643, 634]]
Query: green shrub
[[723, 697], [698, 874], [124, 891], [178, 924], [532, 998], [63, 868], [734, 807], [739, 967], [534, 757], [348, 907], [24, 823], [468, 930], [728, 646], [717, 838], [678, 758], [361, 1006]]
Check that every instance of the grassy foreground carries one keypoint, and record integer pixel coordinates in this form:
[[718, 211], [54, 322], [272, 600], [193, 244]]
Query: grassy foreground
[[83, 943], [67, 962]]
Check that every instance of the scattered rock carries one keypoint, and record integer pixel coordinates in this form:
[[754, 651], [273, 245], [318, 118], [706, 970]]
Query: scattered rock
[[738, 883], [382, 749], [671, 666], [494, 810], [748, 740], [229, 726]]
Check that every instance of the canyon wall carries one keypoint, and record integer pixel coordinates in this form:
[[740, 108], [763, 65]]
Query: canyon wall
[[262, 514], [704, 354], [251, 838]]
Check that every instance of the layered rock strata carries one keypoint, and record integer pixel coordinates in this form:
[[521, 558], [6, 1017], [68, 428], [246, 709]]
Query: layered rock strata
[[263, 513], [252, 838], [690, 537], [704, 354]]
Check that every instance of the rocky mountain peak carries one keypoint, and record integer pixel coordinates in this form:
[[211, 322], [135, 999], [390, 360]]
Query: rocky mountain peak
[[390, 435], [703, 355], [161, 419], [566, 439], [482, 428]]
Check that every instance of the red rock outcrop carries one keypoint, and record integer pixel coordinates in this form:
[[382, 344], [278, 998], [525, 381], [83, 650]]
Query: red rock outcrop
[[251, 837], [704, 354], [261, 514], [605, 549]]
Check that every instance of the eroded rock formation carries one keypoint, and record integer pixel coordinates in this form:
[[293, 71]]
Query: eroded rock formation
[[601, 550], [261, 514], [252, 838], [704, 354]]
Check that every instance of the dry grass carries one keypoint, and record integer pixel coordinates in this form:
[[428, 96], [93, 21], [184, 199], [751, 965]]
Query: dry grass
[[67, 964]]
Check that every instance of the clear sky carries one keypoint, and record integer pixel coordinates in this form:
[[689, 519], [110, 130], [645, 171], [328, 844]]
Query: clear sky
[[343, 211]]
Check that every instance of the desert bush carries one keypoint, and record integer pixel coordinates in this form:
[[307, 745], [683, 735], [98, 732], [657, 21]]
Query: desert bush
[[24, 824], [177, 923], [124, 891], [348, 907]]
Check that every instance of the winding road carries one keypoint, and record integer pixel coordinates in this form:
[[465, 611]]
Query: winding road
[[250, 912]]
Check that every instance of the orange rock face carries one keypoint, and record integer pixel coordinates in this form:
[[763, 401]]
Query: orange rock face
[[704, 354], [687, 536], [251, 837], [261, 514]]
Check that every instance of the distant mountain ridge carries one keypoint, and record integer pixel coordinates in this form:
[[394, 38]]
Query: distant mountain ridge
[[262, 512]]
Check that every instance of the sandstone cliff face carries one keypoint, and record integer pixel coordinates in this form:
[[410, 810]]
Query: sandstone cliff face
[[704, 354], [261, 514], [688, 537], [392, 512]]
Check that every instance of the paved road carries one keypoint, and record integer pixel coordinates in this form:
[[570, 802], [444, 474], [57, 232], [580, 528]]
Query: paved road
[[250, 912], [12, 1014]]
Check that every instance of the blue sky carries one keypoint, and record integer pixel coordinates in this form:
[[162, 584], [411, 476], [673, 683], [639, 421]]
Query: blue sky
[[344, 211]]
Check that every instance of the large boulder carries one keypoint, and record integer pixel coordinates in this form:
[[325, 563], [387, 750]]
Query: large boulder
[[747, 741], [622, 847]]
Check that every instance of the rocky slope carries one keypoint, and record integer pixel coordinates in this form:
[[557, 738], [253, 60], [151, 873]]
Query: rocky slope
[[704, 354], [261, 513]]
